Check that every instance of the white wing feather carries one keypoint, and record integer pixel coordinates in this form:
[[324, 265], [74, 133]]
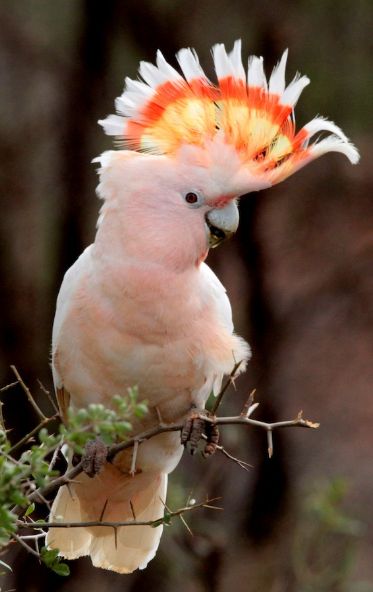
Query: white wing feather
[[68, 287], [223, 309], [218, 293]]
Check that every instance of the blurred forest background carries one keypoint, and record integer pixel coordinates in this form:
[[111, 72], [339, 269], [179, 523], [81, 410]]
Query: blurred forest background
[[299, 274]]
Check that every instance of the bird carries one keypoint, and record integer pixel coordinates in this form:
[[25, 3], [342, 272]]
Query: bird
[[140, 306]]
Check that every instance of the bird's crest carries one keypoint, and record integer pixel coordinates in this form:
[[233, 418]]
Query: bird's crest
[[165, 111]]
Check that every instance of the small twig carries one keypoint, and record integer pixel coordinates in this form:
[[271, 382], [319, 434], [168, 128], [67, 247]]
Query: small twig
[[2, 424], [54, 457], [36, 545], [45, 501], [241, 463], [28, 394], [25, 545], [30, 537], [244, 465], [8, 386], [230, 381], [50, 398], [34, 431]]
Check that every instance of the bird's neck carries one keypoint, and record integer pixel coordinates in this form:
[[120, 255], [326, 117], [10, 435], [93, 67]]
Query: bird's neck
[[156, 242]]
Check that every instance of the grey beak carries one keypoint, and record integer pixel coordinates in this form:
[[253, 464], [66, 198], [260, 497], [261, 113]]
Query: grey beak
[[222, 223]]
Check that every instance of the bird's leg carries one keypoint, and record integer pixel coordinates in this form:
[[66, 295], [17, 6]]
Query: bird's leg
[[198, 425], [212, 438], [94, 457]]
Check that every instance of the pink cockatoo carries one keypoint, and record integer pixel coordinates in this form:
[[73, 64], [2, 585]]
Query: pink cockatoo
[[140, 306]]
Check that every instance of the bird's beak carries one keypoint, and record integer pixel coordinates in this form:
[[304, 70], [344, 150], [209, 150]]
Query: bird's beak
[[222, 223]]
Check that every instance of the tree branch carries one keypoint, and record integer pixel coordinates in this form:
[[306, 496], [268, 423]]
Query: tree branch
[[176, 427], [157, 522]]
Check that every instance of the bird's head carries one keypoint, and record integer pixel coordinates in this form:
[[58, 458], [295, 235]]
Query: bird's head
[[190, 148]]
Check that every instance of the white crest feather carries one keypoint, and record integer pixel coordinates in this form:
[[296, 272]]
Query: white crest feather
[[292, 92], [320, 124], [113, 125], [228, 64], [189, 64], [138, 93], [235, 57], [335, 144], [277, 79], [169, 72], [255, 73], [152, 75]]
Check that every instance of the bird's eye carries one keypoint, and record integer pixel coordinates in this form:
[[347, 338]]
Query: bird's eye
[[193, 198]]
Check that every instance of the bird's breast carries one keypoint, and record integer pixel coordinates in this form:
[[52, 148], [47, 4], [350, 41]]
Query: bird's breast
[[164, 339]]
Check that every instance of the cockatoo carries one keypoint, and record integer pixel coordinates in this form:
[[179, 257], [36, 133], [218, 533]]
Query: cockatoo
[[140, 306]]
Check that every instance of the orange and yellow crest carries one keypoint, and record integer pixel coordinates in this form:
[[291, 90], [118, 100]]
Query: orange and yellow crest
[[166, 111]]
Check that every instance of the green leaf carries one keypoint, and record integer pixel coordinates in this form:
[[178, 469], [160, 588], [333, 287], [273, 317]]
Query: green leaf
[[49, 556], [62, 569], [30, 509]]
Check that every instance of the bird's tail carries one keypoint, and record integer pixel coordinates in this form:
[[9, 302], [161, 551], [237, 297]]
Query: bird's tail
[[111, 496]]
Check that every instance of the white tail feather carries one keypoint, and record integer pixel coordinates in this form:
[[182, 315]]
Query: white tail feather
[[132, 547]]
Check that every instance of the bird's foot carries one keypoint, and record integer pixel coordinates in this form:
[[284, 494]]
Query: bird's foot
[[94, 457], [199, 425]]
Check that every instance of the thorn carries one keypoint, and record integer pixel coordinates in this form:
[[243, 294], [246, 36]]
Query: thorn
[[312, 424], [159, 415], [186, 525], [212, 507], [133, 510], [103, 510], [233, 382], [300, 415], [134, 458], [47, 393], [248, 404], [115, 537], [234, 358], [230, 381], [190, 501], [270, 443], [252, 409]]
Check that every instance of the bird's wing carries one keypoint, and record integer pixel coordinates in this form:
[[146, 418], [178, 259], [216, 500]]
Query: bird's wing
[[219, 296], [69, 285], [223, 310]]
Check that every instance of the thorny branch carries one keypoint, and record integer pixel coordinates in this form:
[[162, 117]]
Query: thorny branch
[[157, 522], [243, 419], [176, 427], [39, 495]]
